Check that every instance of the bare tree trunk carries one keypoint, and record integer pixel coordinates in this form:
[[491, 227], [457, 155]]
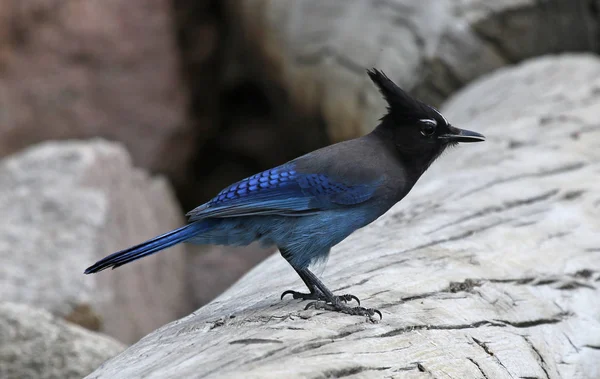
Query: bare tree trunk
[[489, 269]]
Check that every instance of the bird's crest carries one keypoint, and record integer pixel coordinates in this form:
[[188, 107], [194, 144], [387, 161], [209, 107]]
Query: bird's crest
[[401, 106]]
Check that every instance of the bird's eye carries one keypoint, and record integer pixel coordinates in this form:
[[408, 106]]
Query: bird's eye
[[428, 127]]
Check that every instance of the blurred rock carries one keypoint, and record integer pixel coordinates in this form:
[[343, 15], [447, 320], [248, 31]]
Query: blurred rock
[[317, 51], [66, 204], [211, 270], [82, 69], [36, 345]]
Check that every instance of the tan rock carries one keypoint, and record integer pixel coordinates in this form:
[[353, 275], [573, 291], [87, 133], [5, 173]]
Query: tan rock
[[82, 69], [213, 269]]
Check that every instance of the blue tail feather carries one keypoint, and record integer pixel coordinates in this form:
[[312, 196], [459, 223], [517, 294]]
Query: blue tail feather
[[149, 247]]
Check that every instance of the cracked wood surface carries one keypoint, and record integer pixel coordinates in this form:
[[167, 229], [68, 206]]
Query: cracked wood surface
[[490, 268], [317, 50]]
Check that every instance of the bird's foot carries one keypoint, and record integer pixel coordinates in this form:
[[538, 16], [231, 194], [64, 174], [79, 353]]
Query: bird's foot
[[319, 296], [342, 308]]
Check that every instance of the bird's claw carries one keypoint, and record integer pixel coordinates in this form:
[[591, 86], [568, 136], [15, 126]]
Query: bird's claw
[[355, 311], [302, 295], [318, 296], [347, 297]]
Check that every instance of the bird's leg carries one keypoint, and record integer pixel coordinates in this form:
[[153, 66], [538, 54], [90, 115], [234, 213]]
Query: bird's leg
[[307, 277], [330, 302], [315, 292]]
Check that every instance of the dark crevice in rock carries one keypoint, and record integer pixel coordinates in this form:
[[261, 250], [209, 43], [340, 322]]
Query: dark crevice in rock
[[531, 323], [478, 367], [540, 358], [310, 346], [573, 285], [349, 371], [489, 352], [585, 273], [500, 208], [565, 282], [457, 237], [524, 224], [521, 281], [265, 356], [539, 174], [253, 341], [413, 328], [572, 195], [360, 283], [414, 297], [379, 267], [489, 323], [376, 293], [407, 368], [571, 343]]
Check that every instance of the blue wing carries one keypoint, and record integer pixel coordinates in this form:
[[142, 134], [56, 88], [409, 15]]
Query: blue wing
[[282, 191]]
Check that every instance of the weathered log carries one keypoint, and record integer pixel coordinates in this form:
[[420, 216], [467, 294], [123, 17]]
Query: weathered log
[[490, 268]]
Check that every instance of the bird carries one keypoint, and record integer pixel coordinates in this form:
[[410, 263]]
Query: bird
[[308, 205]]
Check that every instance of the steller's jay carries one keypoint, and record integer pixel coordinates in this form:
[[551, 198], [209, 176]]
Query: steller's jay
[[310, 204]]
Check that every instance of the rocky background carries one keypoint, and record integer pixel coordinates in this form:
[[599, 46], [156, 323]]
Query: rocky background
[[117, 116]]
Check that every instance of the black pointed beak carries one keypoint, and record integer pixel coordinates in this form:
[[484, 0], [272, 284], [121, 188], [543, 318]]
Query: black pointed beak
[[462, 135]]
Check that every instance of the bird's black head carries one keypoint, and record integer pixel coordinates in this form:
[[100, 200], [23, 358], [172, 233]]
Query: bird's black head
[[417, 129]]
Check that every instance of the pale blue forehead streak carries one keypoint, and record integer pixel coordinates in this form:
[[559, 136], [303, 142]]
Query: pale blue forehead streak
[[429, 121], [441, 115]]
